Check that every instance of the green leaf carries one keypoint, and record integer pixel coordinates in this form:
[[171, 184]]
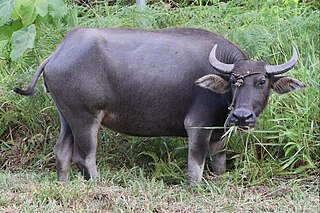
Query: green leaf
[[22, 40], [288, 163], [29, 10], [41, 7], [15, 15], [302, 168], [7, 30], [6, 7]]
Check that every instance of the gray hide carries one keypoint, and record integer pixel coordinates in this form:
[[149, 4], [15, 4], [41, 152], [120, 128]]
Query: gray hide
[[153, 83]]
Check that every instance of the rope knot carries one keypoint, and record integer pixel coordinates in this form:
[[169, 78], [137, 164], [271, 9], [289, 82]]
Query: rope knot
[[239, 79]]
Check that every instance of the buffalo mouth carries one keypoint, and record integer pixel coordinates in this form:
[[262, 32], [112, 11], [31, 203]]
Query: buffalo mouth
[[242, 118]]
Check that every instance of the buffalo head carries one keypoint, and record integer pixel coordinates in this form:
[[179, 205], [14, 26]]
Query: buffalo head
[[250, 83]]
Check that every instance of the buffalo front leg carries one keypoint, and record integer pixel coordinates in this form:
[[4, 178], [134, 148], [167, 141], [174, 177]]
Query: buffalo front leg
[[218, 157], [198, 147], [63, 149]]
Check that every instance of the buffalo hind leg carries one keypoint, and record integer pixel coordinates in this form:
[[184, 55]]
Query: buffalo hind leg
[[63, 149], [218, 157], [85, 133]]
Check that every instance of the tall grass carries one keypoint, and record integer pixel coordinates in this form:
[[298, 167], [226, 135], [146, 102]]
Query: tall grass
[[287, 139]]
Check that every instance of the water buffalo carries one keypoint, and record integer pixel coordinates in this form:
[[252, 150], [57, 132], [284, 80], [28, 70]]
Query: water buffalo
[[154, 83]]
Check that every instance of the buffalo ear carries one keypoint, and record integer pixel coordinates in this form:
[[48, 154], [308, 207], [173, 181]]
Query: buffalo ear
[[213, 82], [284, 84]]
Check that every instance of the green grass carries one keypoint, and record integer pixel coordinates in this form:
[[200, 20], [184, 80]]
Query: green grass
[[131, 191], [145, 171]]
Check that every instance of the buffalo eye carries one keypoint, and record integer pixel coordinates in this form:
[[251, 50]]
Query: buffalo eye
[[262, 82]]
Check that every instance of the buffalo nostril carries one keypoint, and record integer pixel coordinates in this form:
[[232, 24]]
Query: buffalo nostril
[[249, 115], [234, 115]]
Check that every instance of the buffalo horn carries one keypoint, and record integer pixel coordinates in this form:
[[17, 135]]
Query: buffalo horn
[[282, 68], [221, 67]]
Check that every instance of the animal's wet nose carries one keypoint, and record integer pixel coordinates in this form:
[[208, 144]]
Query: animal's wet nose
[[243, 118], [242, 114]]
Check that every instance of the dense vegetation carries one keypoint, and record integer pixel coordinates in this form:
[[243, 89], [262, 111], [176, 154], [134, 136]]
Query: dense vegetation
[[285, 143]]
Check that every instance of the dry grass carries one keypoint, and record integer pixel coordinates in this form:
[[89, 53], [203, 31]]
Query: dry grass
[[22, 192]]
